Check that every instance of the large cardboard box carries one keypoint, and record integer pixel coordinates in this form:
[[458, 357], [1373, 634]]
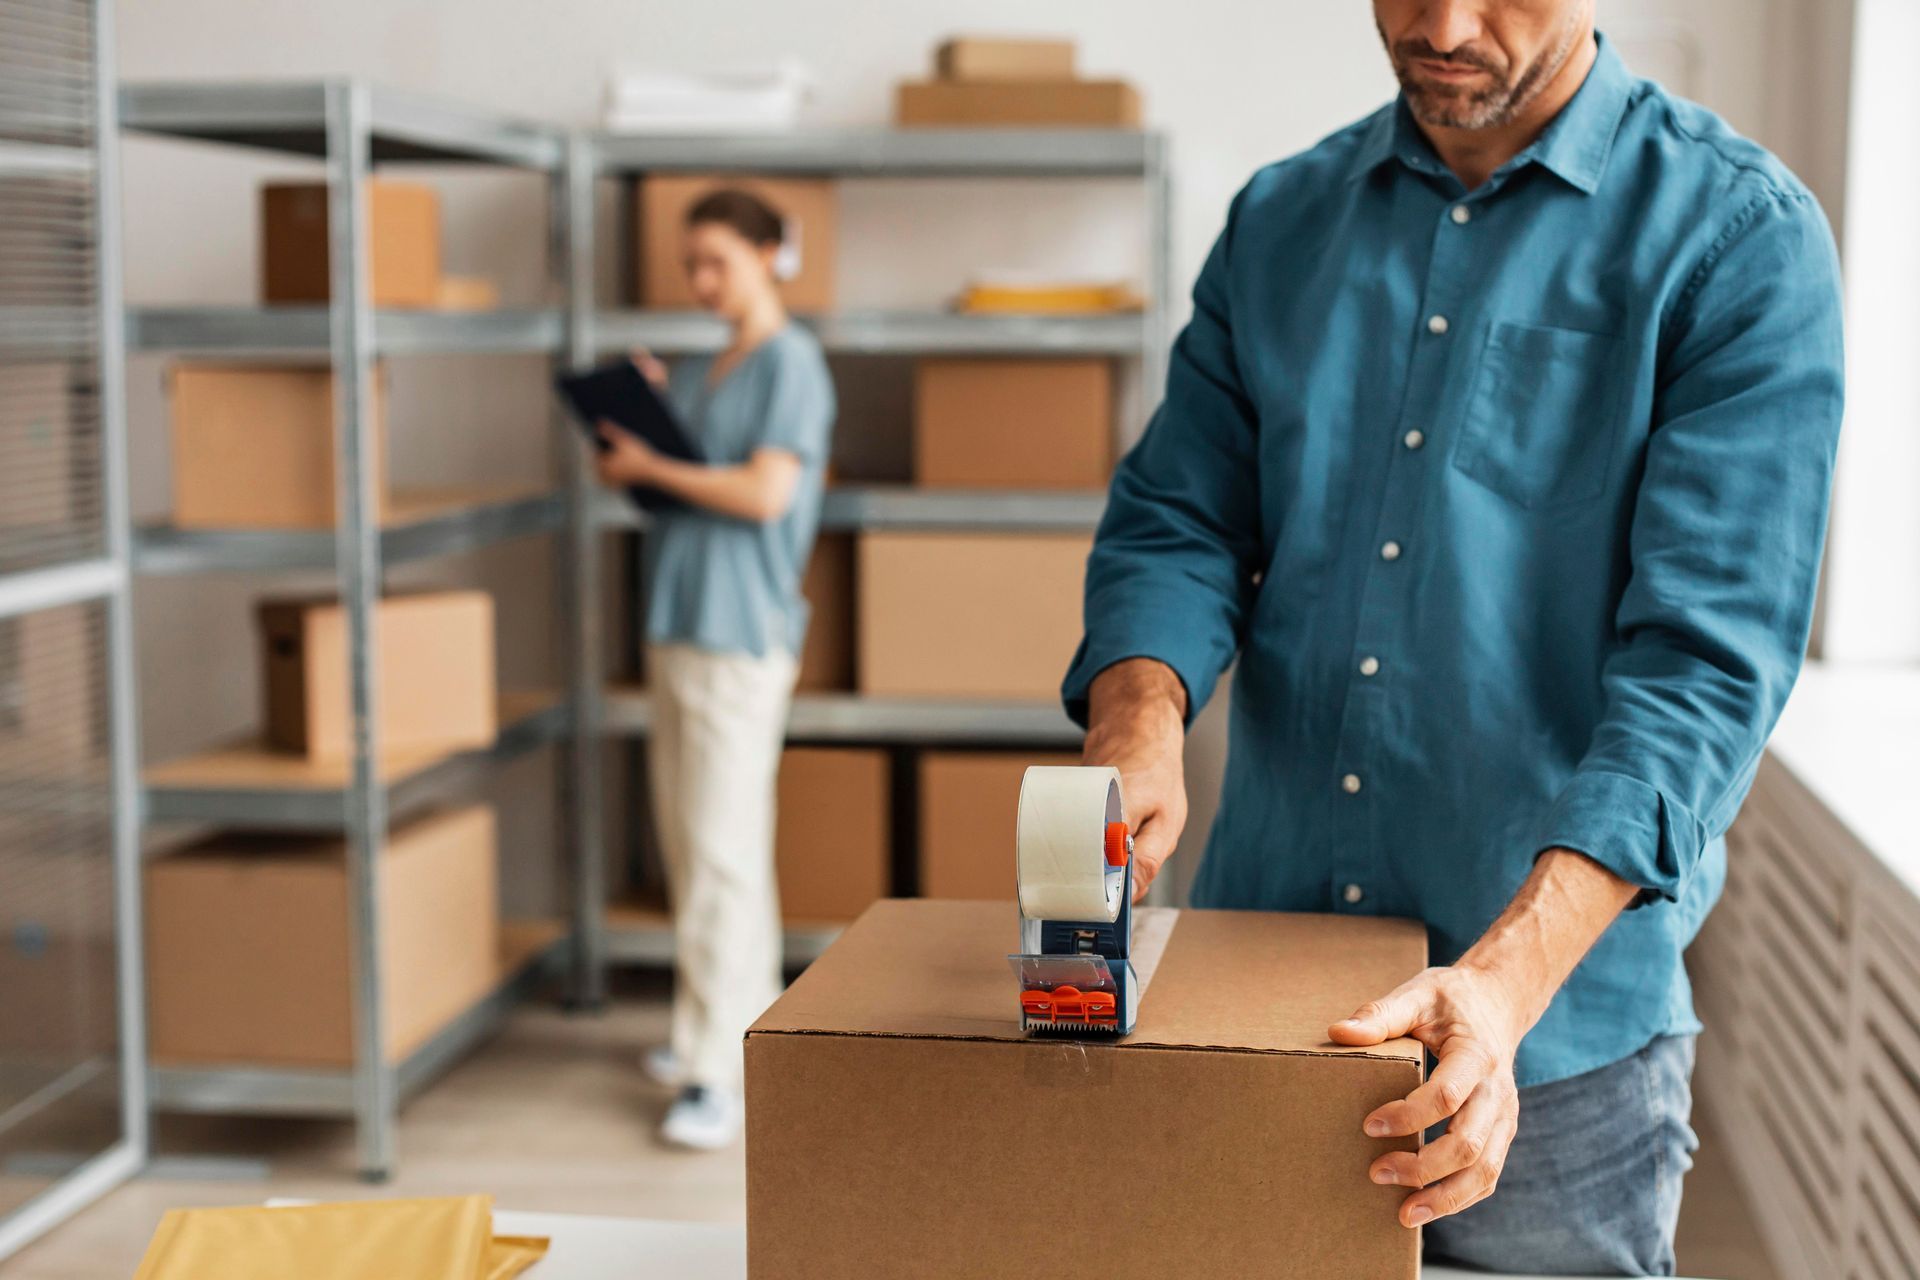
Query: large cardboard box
[[834, 846], [403, 223], [1110, 104], [1003, 58], [899, 1124], [253, 446], [968, 803], [984, 615], [1013, 423], [435, 686], [809, 206], [248, 958], [826, 656]]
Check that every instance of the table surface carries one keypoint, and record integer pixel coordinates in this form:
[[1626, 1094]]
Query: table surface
[[587, 1248]]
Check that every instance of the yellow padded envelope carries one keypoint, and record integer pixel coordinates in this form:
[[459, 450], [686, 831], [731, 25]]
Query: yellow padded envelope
[[444, 1239]]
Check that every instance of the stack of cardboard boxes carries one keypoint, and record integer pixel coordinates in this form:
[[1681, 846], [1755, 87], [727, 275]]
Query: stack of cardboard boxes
[[247, 945], [248, 957], [982, 80]]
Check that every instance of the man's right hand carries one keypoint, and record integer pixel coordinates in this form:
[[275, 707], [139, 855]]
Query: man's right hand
[[1136, 722]]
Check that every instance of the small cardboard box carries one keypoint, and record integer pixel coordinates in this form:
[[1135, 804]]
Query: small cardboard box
[[403, 223], [253, 446], [809, 208], [1013, 423], [834, 847], [1003, 58], [1108, 104], [52, 712], [248, 958], [968, 803], [434, 670], [900, 1124], [826, 655], [982, 615]]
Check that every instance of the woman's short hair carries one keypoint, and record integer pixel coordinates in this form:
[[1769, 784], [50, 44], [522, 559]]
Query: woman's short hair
[[756, 221]]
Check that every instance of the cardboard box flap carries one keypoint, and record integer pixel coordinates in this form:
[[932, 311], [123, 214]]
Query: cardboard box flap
[[933, 968]]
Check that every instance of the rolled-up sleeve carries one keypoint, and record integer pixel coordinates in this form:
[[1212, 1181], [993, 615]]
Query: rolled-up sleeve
[[1724, 549], [1170, 576]]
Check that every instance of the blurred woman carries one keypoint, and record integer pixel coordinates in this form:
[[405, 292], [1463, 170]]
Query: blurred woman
[[724, 623]]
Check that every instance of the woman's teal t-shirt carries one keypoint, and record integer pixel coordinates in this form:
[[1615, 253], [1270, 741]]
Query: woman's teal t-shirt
[[719, 582]]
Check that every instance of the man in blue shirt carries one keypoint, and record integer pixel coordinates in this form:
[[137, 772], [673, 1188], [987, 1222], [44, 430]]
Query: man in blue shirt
[[1497, 450]]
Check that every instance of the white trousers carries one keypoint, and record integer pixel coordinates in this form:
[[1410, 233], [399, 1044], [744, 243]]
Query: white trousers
[[713, 754]]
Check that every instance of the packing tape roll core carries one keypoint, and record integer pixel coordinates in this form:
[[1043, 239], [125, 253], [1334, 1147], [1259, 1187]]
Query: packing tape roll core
[[1060, 843]]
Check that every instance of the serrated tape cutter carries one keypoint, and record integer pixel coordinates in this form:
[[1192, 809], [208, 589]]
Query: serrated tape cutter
[[1074, 855]]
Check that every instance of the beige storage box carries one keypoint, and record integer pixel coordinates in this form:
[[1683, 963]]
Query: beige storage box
[[247, 942]]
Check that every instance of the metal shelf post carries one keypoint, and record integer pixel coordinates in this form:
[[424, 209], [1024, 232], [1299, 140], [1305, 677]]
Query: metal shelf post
[[581, 804], [349, 158]]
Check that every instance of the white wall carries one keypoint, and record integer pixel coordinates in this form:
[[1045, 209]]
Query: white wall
[[1873, 565], [1234, 84]]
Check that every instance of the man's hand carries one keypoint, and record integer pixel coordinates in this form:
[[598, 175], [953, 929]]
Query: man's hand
[[1472, 1016], [1136, 722], [1473, 1028], [626, 460]]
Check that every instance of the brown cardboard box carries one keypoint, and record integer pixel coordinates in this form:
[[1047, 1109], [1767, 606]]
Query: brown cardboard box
[[435, 673], [253, 446], [1110, 104], [810, 207], [833, 847], [899, 1123], [248, 958], [985, 615], [968, 802], [1013, 423], [467, 293], [403, 221], [826, 656], [1003, 58]]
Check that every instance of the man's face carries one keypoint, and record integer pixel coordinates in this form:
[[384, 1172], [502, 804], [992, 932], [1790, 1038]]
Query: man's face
[[1475, 64]]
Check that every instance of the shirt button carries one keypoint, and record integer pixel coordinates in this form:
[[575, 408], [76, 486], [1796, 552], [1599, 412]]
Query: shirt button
[[1353, 893], [1436, 324], [1414, 438], [1350, 784], [1390, 551], [1460, 214], [1369, 665]]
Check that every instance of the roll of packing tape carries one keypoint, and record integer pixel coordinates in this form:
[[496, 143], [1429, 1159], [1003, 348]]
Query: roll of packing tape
[[1060, 843]]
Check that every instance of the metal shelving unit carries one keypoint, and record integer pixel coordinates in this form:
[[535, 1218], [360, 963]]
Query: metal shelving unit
[[352, 126], [645, 937]]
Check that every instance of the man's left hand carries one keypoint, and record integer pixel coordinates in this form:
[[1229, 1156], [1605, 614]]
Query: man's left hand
[[1473, 1024]]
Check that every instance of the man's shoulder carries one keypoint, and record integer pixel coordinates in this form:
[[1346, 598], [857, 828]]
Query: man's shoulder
[[1294, 182], [1685, 140]]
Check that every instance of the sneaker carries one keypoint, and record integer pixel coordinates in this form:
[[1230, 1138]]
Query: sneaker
[[661, 1066], [702, 1118]]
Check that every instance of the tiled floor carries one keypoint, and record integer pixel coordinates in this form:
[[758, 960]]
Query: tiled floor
[[554, 1115]]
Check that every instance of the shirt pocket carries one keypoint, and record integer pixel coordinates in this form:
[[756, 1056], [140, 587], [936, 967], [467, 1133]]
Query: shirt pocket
[[1541, 420]]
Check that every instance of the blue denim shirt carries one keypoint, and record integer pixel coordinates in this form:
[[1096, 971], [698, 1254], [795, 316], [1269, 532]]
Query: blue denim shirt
[[1510, 503]]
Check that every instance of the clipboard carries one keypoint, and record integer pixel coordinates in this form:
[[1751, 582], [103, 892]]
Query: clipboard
[[619, 393]]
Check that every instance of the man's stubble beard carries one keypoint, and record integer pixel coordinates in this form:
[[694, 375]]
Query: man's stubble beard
[[1486, 108]]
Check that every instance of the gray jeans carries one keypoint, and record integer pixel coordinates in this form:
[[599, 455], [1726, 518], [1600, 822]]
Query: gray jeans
[[1592, 1182]]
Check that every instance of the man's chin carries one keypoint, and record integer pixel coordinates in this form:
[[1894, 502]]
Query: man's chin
[[1452, 108]]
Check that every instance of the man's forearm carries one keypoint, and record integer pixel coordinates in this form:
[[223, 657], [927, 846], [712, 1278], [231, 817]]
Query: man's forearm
[[1133, 691], [1565, 904]]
